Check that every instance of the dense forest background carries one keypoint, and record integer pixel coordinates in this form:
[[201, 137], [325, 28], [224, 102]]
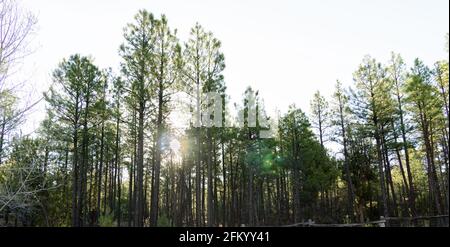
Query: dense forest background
[[108, 152]]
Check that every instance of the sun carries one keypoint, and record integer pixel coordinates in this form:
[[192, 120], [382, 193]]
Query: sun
[[174, 145]]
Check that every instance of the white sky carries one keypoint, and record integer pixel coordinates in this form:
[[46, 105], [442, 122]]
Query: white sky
[[286, 49]]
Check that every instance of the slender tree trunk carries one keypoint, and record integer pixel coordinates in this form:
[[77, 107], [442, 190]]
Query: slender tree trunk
[[117, 165], [380, 170], [156, 175], [84, 163], [210, 180], [130, 193], [377, 135], [139, 212], [412, 195], [446, 174], [100, 171], [432, 176], [350, 188], [2, 136], [402, 172], [224, 196], [389, 176], [75, 168]]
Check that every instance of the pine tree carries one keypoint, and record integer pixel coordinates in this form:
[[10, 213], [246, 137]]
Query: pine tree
[[137, 68], [369, 79], [166, 62], [341, 122], [425, 106], [203, 64]]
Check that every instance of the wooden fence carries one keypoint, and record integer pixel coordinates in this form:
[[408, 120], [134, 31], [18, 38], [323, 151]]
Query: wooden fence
[[422, 221]]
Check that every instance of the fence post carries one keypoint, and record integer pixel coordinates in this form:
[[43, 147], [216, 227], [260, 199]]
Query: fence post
[[382, 222]]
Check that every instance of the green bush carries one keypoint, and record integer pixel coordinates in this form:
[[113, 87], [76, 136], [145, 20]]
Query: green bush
[[163, 221], [107, 220]]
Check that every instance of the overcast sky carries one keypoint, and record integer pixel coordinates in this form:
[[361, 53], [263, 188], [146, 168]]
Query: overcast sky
[[286, 49]]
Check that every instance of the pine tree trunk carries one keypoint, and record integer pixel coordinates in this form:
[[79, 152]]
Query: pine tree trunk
[[412, 195], [2, 136], [139, 212], [210, 179], [75, 167]]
